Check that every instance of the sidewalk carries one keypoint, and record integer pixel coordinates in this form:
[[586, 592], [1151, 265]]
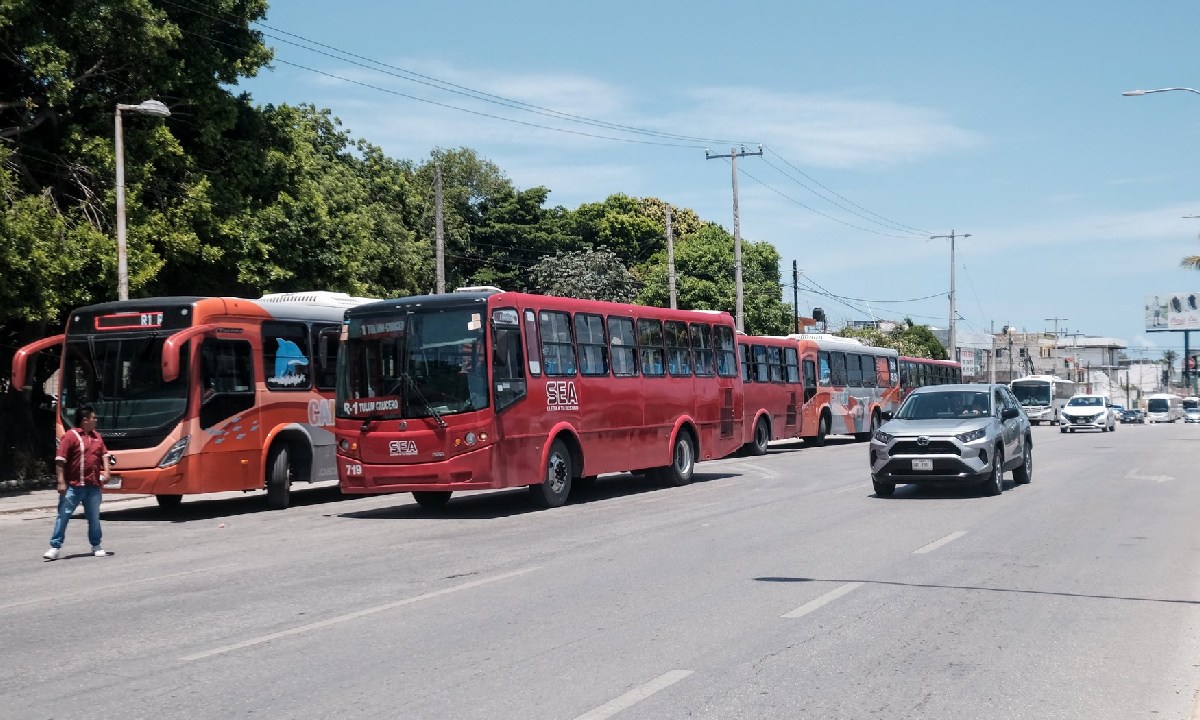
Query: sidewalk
[[47, 501]]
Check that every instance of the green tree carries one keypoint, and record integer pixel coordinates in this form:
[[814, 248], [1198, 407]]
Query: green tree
[[592, 274], [704, 280], [907, 338]]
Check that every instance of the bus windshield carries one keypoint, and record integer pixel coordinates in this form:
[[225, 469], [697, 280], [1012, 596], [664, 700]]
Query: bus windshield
[[413, 364], [1032, 393], [1157, 405], [122, 379]]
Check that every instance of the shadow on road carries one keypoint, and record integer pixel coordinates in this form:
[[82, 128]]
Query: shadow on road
[[516, 501], [199, 508]]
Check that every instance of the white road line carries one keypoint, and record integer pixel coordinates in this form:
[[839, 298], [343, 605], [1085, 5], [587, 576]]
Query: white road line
[[938, 543], [634, 696], [828, 597], [352, 616], [58, 599]]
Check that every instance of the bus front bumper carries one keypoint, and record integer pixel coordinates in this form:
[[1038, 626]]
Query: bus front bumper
[[469, 471]]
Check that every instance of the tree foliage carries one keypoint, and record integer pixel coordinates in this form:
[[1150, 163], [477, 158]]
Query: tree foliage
[[592, 274], [907, 338]]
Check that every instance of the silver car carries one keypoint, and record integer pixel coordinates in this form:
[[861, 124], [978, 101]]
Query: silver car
[[953, 434]]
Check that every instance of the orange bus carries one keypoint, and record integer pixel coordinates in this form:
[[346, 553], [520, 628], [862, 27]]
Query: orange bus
[[205, 394], [847, 385], [917, 372], [483, 389], [771, 390]]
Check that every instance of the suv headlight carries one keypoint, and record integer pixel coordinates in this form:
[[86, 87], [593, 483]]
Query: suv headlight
[[972, 435], [883, 437]]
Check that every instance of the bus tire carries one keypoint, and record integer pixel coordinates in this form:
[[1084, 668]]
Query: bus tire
[[873, 427], [818, 440], [683, 461], [762, 436], [169, 502], [432, 499], [279, 478], [552, 492]]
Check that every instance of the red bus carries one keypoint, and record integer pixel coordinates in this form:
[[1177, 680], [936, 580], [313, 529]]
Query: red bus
[[846, 386], [917, 372], [771, 390], [483, 389], [205, 394]]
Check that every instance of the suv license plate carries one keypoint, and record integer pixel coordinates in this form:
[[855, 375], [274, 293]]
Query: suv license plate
[[922, 465], [114, 482]]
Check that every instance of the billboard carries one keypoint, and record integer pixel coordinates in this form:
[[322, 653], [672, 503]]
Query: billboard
[[1173, 311]]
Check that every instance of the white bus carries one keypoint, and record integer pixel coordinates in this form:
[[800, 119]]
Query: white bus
[[1163, 407], [1042, 396]]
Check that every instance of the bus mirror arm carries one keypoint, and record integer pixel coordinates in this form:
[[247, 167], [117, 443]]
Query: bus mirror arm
[[172, 346], [21, 359]]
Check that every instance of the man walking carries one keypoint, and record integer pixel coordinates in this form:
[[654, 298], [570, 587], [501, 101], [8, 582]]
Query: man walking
[[82, 469]]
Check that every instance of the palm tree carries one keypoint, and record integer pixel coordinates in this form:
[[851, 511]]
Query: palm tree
[[1168, 360], [1191, 262]]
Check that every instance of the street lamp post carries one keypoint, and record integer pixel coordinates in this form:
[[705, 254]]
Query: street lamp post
[[953, 312], [148, 107]]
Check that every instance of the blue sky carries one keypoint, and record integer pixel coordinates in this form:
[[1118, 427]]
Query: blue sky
[[883, 123]]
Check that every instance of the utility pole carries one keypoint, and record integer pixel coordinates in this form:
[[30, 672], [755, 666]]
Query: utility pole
[[796, 295], [440, 255], [733, 155], [670, 258], [953, 312], [1056, 321]]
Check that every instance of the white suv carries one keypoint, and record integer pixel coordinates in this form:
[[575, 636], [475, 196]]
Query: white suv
[[1092, 412]]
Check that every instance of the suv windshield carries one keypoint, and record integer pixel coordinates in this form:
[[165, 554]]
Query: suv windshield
[[1086, 402], [944, 404]]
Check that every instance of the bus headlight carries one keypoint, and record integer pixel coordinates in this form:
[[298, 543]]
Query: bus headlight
[[175, 454]]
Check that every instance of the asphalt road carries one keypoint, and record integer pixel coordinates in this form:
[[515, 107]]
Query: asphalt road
[[774, 587]]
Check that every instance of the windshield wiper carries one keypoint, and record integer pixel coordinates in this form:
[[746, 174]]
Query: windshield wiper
[[412, 384]]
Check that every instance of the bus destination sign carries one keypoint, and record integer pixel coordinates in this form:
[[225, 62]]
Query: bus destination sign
[[129, 320]]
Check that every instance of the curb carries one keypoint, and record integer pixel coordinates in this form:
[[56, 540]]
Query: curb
[[54, 506]]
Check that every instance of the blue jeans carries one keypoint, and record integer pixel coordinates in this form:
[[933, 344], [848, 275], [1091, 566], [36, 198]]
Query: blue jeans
[[89, 495]]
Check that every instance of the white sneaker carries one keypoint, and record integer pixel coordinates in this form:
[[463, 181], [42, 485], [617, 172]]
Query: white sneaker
[[98, 552], [51, 554]]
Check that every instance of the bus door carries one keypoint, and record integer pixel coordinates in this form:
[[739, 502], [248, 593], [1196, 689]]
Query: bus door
[[808, 371], [230, 438]]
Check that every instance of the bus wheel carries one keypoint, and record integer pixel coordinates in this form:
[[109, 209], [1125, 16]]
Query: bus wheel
[[169, 502], [683, 461], [279, 479], [552, 492], [432, 499], [762, 435], [863, 436], [822, 431]]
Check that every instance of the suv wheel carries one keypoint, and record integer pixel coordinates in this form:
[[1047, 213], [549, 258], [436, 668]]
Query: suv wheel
[[994, 484], [1024, 472]]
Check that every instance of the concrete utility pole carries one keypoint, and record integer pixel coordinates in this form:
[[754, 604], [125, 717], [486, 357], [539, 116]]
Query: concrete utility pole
[[440, 253], [670, 258], [953, 312], [796, 295], [1054, 362], [733, 155]]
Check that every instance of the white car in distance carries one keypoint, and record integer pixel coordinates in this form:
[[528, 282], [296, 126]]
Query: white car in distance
[[1087, 412]]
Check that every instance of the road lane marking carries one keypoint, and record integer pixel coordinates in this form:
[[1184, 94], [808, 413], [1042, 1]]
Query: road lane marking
[[353, 616], [59, 599], [828, 597], [938, 543], [634, 696], [1132, 475]]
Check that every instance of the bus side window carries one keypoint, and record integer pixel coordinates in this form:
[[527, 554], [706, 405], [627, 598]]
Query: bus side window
[[593, 345], [623, 346], [825, 376], [227, 380], [558, 352], [286, 364], [508, 365], [702, 349], [650, 347], [326, 355], [726, 352], [747, 376]]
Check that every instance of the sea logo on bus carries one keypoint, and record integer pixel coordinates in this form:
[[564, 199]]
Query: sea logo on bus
[[400, 448], [561, 396]]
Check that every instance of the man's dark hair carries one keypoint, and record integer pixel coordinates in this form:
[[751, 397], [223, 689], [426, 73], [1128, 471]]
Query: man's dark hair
[[83, 411]]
